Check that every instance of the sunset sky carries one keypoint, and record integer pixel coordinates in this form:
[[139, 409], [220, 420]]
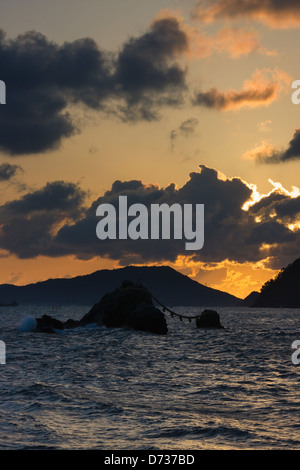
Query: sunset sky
[[163, 101]]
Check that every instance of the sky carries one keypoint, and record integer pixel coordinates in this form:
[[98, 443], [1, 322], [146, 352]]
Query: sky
[[179, 101]]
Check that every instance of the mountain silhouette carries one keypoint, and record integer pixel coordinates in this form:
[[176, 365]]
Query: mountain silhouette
[[283, 290], [168, 285], [250, 299]]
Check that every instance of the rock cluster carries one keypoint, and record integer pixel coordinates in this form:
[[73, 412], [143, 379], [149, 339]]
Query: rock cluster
[[129, 305]]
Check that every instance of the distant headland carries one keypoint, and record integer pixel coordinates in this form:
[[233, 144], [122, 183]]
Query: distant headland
[[283, 290]]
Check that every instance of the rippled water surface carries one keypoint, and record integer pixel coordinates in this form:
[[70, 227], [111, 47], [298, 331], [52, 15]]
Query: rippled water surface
[[98, 388]]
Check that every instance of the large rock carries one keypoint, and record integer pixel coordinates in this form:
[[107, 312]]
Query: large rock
[[127, 306], [209, 319]]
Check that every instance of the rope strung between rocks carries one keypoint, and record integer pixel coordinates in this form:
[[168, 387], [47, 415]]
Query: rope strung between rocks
[[190, 318]]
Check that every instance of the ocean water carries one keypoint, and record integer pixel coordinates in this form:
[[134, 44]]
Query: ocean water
[[118, 389]]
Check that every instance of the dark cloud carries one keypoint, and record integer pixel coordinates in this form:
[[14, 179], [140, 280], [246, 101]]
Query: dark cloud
[[186, 129], [145, 63], [34, 126], [267, 202], [270, 232], [291, 153], [53, 222], [173, 138], [43, 79], [274, 13], [147, 75], [289, 209], [7, 171], [28, 225], [32, 120], [57, 196], [277, 205]]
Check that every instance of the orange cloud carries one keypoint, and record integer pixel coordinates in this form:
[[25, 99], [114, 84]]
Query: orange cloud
[[234, 42], [268, 154], [262, 151], [273, 13], [261, 90]]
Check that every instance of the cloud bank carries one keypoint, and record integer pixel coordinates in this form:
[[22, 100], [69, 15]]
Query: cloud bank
[[55, 221], [273, 13], [8, 171]]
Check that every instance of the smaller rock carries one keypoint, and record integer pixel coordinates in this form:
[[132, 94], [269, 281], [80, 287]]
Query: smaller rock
[[209, 319]]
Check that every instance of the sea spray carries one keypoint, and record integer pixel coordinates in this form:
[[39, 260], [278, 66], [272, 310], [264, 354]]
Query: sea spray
[[27, 324]]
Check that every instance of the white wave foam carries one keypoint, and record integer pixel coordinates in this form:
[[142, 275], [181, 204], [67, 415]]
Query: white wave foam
[[27, 324]]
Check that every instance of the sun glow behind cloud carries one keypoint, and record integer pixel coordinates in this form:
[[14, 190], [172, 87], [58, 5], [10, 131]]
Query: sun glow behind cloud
[[277, 188]]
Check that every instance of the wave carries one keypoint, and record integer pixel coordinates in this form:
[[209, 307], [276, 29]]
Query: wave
[[196, 432], [28, 324]]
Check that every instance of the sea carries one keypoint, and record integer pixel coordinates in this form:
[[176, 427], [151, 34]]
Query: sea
[[96, 388]]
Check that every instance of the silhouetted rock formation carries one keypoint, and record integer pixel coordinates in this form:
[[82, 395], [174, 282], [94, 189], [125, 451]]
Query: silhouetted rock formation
[[284, 290], [129, 305], [209, 319]]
